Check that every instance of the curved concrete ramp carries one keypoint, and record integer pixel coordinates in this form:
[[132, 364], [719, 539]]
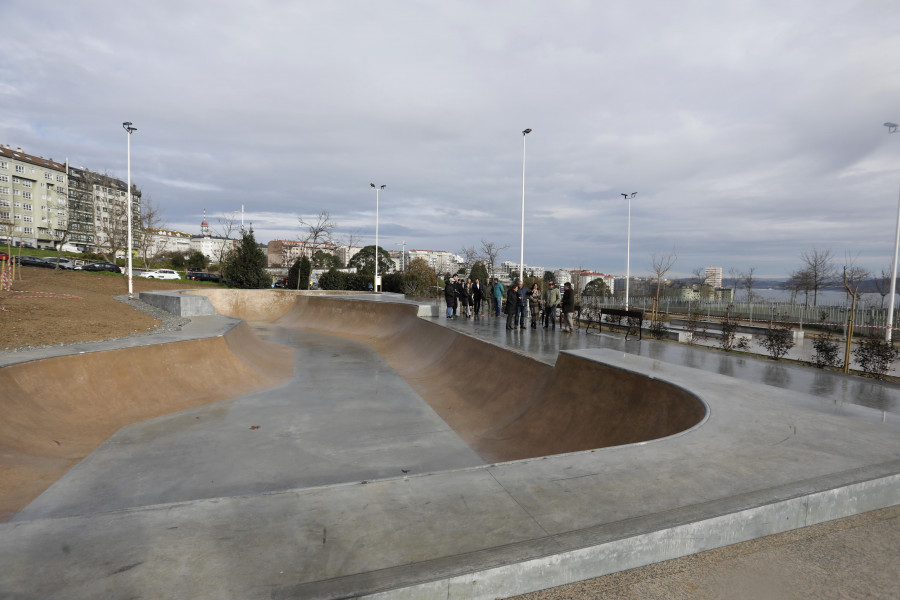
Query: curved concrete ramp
[[55, 411], [505, 405]]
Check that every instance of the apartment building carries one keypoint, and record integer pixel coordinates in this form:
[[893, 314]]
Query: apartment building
[[713, 277], [33, 203]]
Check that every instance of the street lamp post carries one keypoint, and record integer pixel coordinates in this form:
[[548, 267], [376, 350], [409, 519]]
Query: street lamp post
[[129, 130], [522, 244], [892, 128], [377, 190], [628, 249]]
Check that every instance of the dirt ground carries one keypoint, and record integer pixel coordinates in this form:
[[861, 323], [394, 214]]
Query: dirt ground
[[48, 307]]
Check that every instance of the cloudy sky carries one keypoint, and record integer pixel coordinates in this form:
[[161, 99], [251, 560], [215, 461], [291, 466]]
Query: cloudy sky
[[750, 130]]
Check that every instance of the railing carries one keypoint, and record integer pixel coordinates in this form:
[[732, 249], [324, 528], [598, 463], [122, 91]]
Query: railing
[[867, 318]]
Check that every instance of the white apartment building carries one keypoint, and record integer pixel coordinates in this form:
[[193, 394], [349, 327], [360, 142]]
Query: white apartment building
[[33, 199], [714, 276]]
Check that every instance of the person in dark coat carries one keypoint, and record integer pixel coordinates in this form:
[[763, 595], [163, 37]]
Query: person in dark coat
[[477, 295], [521, 304], [450, 296], [512, 299], [568, 308]]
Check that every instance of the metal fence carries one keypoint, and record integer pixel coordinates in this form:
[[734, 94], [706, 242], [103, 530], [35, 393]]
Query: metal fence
[[867, 318]]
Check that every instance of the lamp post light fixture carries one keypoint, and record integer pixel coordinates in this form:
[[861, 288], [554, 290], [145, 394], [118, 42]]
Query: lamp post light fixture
[[129, 130], [522, 244], [628, 249], [377, 190], [892, 128]]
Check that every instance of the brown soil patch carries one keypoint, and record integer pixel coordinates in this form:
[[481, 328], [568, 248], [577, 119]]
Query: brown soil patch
[[48, 307]]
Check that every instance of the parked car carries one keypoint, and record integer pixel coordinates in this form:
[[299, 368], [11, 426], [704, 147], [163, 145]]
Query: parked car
[[162, 274], [28, 260], [64, 263], [3, 256], [103, 266], [201, 276]]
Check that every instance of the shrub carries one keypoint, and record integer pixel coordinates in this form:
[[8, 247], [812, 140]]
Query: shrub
[[875, 356], [778, 338]]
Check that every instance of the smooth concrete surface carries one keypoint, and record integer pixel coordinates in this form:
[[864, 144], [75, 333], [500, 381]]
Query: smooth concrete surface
[[766, 458], [182, 305]]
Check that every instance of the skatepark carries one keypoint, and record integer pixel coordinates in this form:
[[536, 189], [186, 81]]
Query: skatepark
[[289, 445]]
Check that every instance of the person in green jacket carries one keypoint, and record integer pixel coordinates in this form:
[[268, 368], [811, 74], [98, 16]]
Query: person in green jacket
[[498, 292], [551, 302]]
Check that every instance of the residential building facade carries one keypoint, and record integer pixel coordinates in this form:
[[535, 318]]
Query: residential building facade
[[33, 204]]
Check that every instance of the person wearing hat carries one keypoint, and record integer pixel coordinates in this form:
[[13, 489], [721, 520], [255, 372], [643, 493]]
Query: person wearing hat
[[551, 301]]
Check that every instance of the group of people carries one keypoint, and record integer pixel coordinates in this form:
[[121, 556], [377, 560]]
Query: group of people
[[466, 298]]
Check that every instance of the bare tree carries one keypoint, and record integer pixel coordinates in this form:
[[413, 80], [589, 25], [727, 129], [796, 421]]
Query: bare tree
[[314, 233], [151, 222], [734, 277], [798, 283], [227, 225], [490, 251], [661, 264], [470, 255], [819, 270], [883, 284], [747, 279], [698, 275], [112, 230], [853, 277]]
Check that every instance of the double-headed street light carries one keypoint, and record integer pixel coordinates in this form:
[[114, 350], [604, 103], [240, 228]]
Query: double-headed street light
[[628, 249], [892, 128], [129, 130], [377, 190], [522, 245]]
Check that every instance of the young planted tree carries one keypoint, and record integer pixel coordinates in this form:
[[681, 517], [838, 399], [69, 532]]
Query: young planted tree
[[853, 277], [730, 324], [151, 221], [661, 264], [245, 266]]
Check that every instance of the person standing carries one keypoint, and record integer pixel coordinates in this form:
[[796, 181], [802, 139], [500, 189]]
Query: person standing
[[450, 296], [521, 304], [568, 308], [463, 292], [497, 291], [551, 302], [512, 299], [534, 304], [477, 295]]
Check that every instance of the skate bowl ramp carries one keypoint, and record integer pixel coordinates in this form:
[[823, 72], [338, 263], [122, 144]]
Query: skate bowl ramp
[[505, 405], [57, 410]]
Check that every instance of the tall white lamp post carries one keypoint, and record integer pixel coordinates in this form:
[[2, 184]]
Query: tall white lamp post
[[522, 244], [377, 190], [129, 130], [892, 128], [628, 249]]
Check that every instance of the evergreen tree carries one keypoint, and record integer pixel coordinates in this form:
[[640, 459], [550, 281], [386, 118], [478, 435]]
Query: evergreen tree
[[300, 270], [245, 266], [479, 272]]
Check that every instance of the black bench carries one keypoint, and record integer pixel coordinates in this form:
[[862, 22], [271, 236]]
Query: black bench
[[631, 314]]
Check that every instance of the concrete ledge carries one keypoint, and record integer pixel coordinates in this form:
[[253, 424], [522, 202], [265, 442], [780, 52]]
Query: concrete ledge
[[177, 303]]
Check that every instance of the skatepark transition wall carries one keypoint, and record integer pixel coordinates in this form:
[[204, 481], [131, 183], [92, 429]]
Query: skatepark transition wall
[[55, 411], [505, 405]]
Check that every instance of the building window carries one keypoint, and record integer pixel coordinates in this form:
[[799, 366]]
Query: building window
[[29, 231], [28, 219], [48, 175], [4, 214], [20, 169], [60, 178], [26, 195], [4, 164], [27, 206], [26, 183], [4, 177]]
